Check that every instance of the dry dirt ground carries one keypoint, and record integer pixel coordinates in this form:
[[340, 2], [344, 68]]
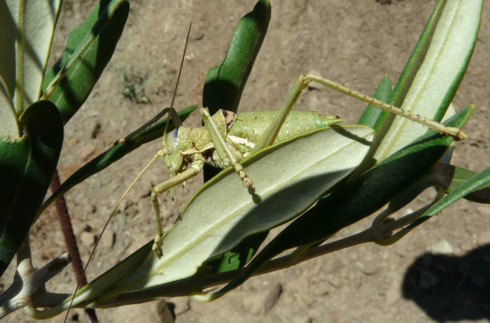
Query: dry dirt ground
[[440, 272]]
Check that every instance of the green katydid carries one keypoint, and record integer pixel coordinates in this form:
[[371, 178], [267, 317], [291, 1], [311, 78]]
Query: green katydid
[[226, 138], [275, 125]]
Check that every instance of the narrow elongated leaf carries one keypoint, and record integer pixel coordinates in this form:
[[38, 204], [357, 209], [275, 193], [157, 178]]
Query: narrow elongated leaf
[[434, 71], [89, 49], [39, 23], [8, 34], [475, 183], [444, 176], [26, 34], [452, 177], [225, 82], [26, 168]]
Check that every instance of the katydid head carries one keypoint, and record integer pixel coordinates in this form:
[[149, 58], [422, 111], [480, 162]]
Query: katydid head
[[172, 156], [171, 153]]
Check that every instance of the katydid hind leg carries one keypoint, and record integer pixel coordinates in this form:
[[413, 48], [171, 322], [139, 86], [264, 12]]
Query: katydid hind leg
[[270, 134], [436, 126]]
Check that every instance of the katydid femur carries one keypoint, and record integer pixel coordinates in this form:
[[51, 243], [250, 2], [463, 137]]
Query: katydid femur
[[226, 138]]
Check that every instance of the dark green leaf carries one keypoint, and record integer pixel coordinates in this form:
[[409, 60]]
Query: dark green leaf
[[452, 177], [225, 82], [474, 184], [26, 168]]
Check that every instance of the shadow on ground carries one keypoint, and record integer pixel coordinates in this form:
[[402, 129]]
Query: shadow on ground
[[450, 288]]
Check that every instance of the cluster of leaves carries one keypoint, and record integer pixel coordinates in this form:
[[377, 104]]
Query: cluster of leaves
[[36, 104], [32, 128], [393, 171], [403, 161]]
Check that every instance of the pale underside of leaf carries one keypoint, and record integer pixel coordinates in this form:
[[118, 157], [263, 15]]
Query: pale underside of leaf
[[446, 59], [8, 119], [39, 22]]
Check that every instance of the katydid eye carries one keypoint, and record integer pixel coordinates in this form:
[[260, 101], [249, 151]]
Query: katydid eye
[[171, 143]]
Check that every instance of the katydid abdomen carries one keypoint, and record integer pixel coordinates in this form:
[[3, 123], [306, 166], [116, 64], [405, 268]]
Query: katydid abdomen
[[250, 126]]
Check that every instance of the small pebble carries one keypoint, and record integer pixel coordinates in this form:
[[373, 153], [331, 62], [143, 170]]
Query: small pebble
[[443, 247]]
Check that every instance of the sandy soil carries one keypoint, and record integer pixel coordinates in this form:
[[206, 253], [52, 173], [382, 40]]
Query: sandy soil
[[440, 272]]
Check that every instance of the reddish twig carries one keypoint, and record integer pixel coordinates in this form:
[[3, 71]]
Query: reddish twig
[[71, 242]]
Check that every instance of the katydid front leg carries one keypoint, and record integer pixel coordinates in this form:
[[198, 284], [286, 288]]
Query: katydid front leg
[[157, 190], [223, 150]]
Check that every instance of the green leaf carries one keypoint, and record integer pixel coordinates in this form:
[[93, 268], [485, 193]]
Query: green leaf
[[224, 83], [475, 183], [8, 35], [26, 168], [88, 51], [433, 73], [451, 177]]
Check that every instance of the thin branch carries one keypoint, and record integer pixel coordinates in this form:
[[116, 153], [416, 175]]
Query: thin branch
[[70, 240]]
